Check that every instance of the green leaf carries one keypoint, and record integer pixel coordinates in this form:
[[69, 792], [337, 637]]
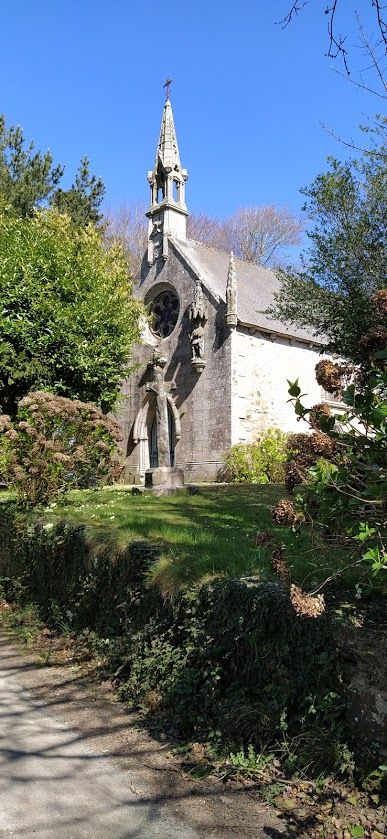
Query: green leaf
[[299, 409], [357, 831], [349, 395], [294, 389]]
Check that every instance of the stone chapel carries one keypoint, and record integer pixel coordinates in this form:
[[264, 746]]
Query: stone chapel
[[222, 364]]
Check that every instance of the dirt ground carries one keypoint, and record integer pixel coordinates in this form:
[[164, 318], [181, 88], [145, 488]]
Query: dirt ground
[[212, 808]]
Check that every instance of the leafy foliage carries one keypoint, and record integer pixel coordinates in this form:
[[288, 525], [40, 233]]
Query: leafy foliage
[[27, 177], [68, 317], [56, 443], [260, 462], [346, 263], [344, 497]]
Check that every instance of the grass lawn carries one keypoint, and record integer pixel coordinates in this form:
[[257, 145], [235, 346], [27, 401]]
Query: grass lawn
[[199, 536]]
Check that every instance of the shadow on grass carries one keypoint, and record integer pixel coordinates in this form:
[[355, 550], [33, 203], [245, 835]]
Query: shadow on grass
[[198, 536]]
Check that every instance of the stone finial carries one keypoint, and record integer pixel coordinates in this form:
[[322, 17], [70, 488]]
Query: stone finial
[[231, 294]]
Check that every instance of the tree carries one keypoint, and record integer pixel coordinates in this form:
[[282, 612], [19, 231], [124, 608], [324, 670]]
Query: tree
[[343, 468], [29, 179], [129, 227], [346, 263], [82, 201], [68, 317], [255, 234], [261, 234], [209, 230]]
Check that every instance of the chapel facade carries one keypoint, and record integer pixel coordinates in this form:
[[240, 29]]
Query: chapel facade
[[222, 363]]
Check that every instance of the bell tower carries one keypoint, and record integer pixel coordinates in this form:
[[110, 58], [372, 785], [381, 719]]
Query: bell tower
[[167, 213]]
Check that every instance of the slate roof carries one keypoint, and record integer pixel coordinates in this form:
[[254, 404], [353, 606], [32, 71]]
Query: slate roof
[[256, 287]]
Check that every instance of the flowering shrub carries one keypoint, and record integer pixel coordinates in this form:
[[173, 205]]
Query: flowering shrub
[[261, 462], [54, 444]]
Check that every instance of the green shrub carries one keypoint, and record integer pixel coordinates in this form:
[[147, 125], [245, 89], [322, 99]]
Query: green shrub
[[261, 462], [56, 443]]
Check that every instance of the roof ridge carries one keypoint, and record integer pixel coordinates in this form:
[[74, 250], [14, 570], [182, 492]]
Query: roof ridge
[[227, 253]]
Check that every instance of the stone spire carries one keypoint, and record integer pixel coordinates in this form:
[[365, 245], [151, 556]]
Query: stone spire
[[167, 149], [167, 213], [231, 294]]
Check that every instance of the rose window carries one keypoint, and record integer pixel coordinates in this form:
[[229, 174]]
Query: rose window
[[165, 312]]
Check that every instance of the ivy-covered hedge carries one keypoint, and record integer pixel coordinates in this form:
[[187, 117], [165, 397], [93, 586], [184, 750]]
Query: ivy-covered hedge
[[229, 661]]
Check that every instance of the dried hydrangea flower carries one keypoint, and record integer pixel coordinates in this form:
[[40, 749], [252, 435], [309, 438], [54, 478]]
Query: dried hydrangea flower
[[373, 341], [317, 413], [321, 445], [299, 442], [328, 375], [296, 471], [262, 538], [306, 605], [379, 300], [283, 513]]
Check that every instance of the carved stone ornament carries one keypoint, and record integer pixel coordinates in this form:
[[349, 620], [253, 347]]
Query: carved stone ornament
[[164, 477], [197, 309], [197, 314]]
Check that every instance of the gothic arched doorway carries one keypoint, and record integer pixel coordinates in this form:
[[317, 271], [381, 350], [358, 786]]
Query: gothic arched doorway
[[152, 438]]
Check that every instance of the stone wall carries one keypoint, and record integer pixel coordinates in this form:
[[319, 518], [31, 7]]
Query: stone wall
[[203, 400], [261, 365]]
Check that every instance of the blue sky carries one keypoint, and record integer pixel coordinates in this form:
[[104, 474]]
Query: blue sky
[[86, 76]]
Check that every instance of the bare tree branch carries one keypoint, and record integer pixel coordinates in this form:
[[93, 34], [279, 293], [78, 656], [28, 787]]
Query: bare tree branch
[[258, 234], [294, 11], [337, 41], [351, 145], [129, 226], [208, 230], [360, 84], [255, 234], [370, 50], [382, 24]]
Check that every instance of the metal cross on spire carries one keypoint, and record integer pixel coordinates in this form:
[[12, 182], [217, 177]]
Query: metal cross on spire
[[167, 86]]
